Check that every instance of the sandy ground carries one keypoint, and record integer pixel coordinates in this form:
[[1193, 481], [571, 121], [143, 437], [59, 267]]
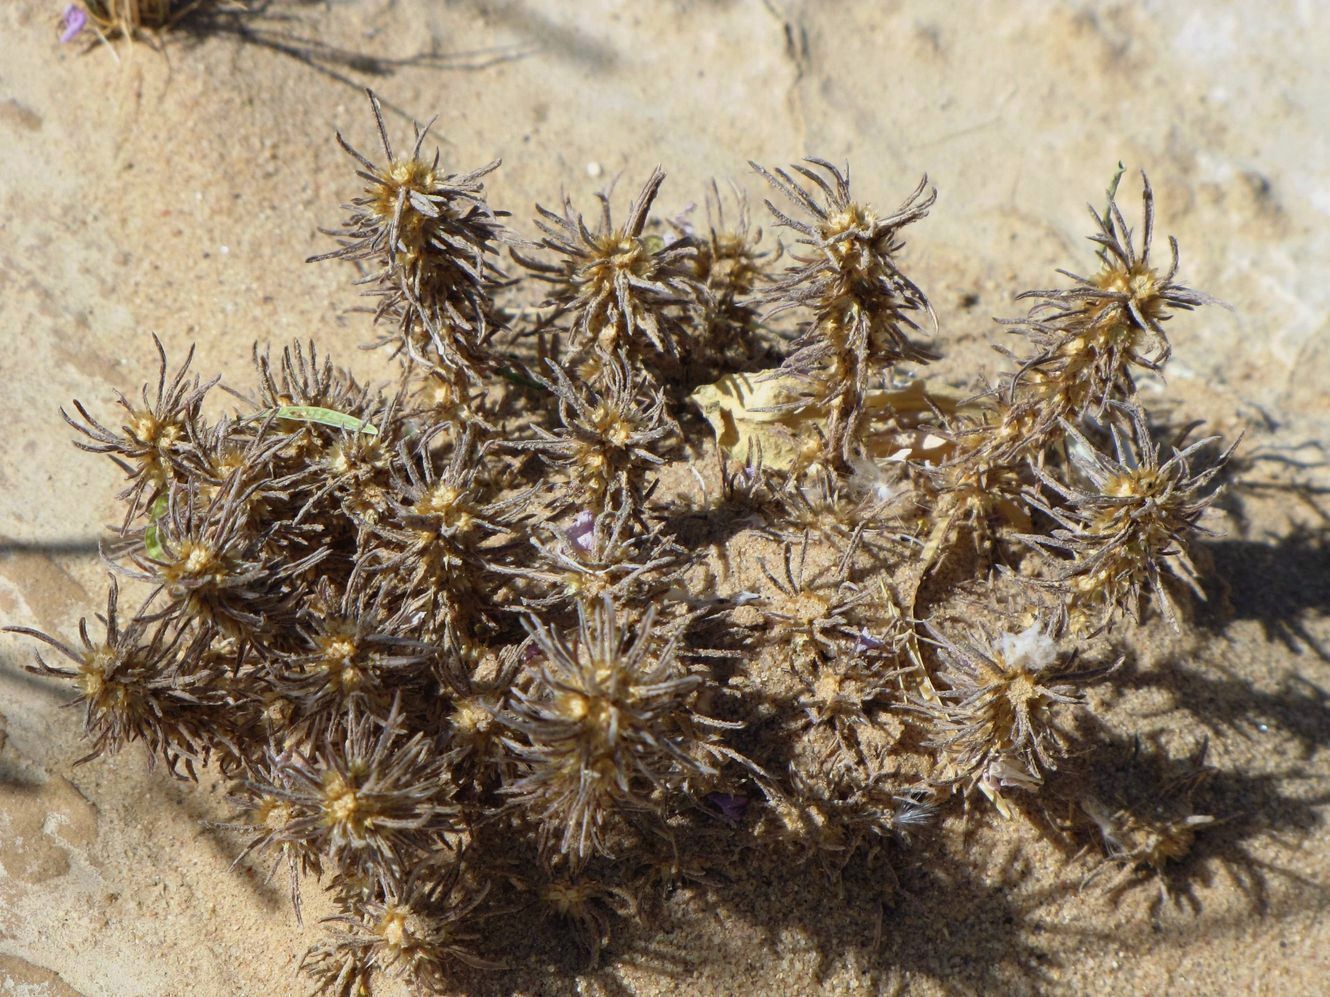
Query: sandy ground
[[178, 192]]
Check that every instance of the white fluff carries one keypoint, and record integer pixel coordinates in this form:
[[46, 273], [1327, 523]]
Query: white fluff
[[1032, 649], [869, 477]]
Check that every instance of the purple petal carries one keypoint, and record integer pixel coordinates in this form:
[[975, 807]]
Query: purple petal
[[867, 642], [75, 19], [582, 532], [729, 806]]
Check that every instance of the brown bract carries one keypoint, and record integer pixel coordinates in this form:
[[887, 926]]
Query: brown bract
[[429, 238], [610, 720], [614, 288], [862, 306]]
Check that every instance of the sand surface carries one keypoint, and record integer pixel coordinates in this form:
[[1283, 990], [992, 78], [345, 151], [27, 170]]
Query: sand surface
[[178, 192]]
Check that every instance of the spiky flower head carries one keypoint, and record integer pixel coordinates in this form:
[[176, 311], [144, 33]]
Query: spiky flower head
[[588, 905], [993, 718], [444, 531], [812, 610], [413, 928], [609, 437], [595, 556], [217, 570], [155, 446], [863, 306], [1091, 335], [1129, 527], [835, 807], [847, 692], [731, 270], [430, 239], [610, 720], [350, 651], [368, 797], [131, 690], [618, 287], [847, 273]]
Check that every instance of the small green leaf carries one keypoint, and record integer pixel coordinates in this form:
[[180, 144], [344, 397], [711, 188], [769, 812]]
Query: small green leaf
[[152, 541], [325, 417], [514, 375]]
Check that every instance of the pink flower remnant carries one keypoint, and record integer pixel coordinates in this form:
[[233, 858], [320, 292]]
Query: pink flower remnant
[[583, 530], [729, 805], [74, 20], [867, 642]]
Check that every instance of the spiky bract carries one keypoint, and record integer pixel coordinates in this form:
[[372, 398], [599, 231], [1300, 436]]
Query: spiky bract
[[610, 721]]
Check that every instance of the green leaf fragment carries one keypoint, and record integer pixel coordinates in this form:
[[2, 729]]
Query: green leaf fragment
[[325, 417], [152, 540]]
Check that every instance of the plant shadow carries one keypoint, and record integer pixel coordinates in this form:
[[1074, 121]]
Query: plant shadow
[[1283, 584], [1138, 783], [283, 27]]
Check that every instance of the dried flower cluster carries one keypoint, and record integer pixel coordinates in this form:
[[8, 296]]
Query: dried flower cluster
[[129, 19], [473, 644], [861, 305]]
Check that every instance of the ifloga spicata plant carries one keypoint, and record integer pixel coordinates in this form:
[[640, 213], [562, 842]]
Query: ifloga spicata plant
[[472, 643]]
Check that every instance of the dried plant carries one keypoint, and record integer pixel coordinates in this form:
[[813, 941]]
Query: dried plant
[[215, 569], [597, 556], [608, 436], [1128, 528], [350, 656], [610, 721], [590, 906], [411, 931], [616, 289], [812, 611], [863, 305], [125, 18], [993, 720], [847, 692], [479, 694], [154, 446], [475, 628], [131, 690], [731, 270], [1148, 837], [429, 238], [371, 799], [838, 511], [1089, 337], [836, 808], [443, 537]]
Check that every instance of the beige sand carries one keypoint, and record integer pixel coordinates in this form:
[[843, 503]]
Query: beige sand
[[178, 193]]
